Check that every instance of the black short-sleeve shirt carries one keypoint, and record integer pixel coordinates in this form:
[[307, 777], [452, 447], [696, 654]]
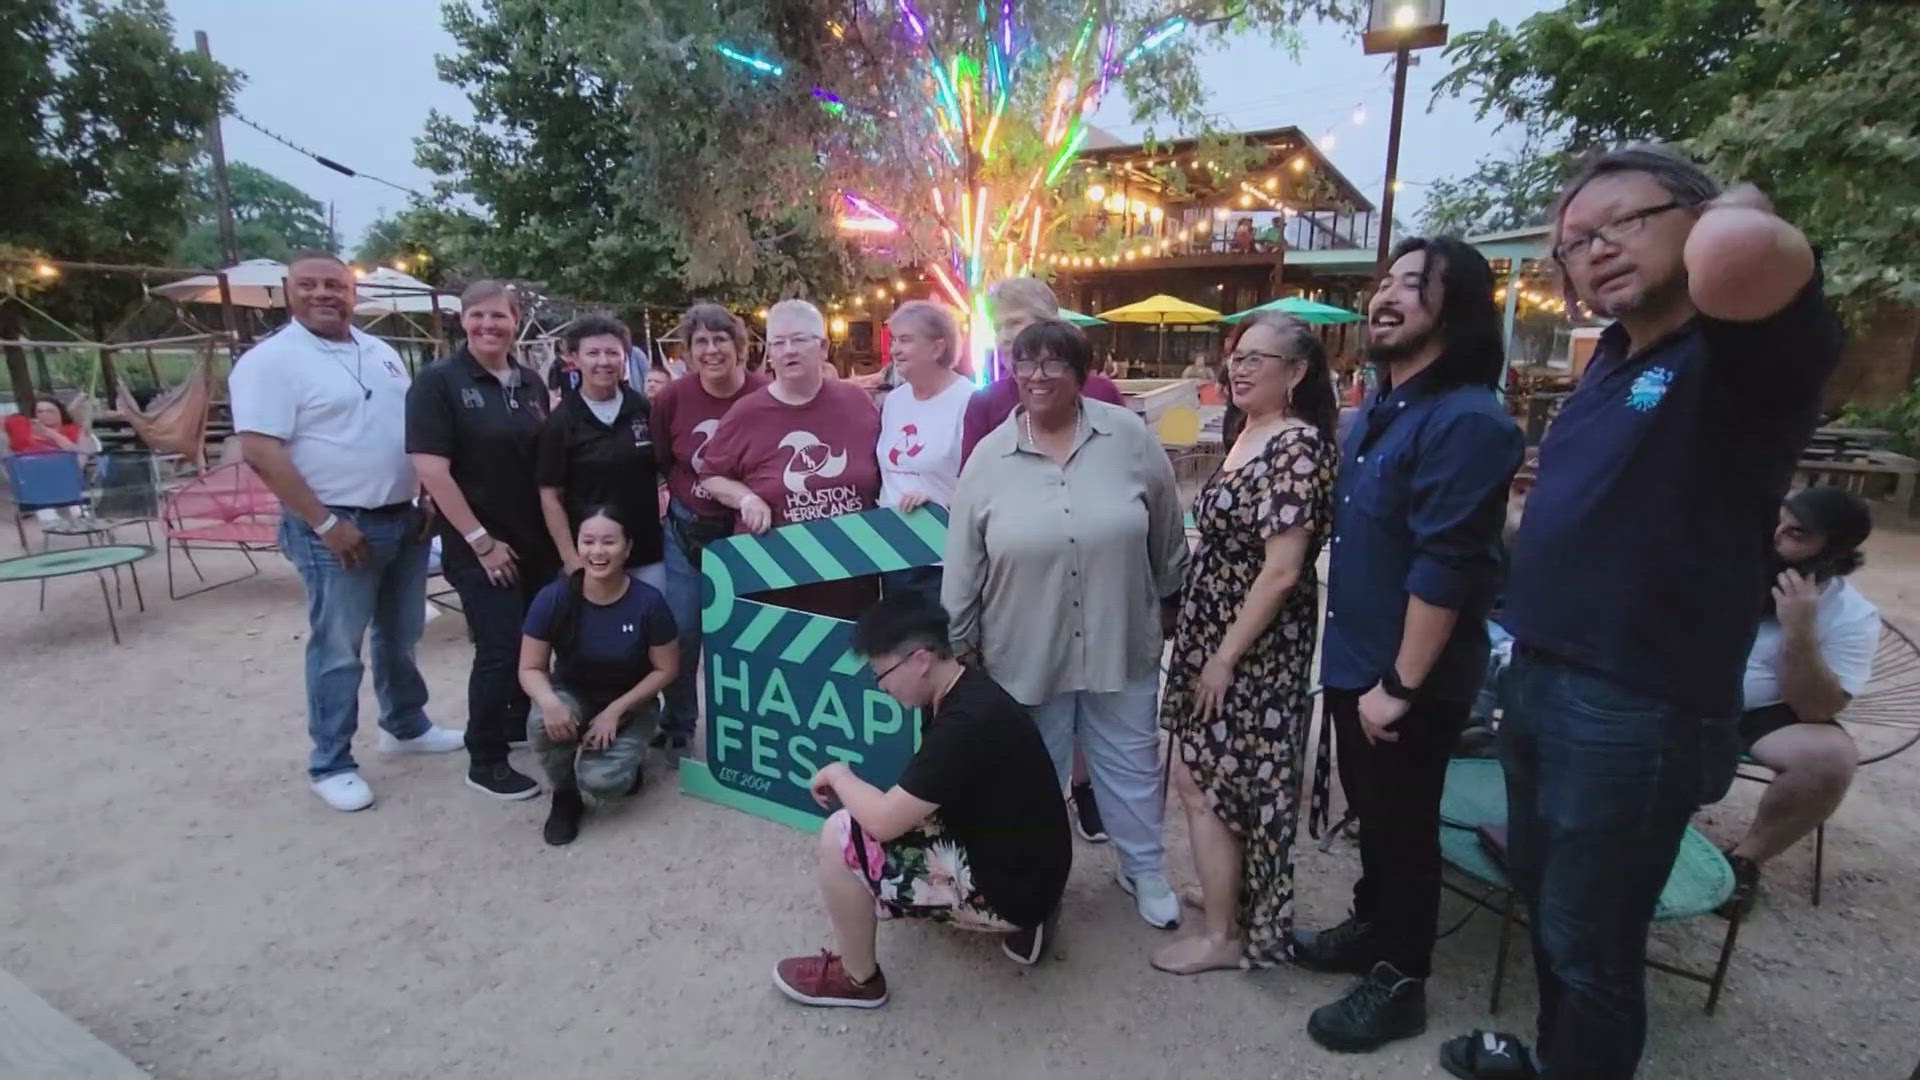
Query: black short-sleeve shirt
[[594, 463], [982, 762], [488, 431]]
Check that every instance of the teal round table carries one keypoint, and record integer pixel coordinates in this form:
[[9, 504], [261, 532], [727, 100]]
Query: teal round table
[[87, 560]]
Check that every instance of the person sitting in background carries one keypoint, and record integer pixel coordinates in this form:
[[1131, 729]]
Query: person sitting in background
[[611, 644], [50, 430], [1813, 653], [656, 381], [1017, 304], [920, 425], [973, 833]]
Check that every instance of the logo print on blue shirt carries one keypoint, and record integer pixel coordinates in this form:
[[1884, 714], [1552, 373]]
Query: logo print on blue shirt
[[1648, 389]]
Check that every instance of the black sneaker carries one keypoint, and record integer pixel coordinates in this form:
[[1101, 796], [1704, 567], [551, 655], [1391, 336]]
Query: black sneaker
[[1027, 947], [1346, 949], [563, 821], [1746, 888], [1086, 816], [1384, 1006], [502, 781]]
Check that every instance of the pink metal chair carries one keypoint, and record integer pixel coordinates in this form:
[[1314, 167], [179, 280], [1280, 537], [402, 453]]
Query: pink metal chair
[[226, 508]]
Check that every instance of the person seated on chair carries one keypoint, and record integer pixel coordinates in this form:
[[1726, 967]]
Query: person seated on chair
[[1813, 653], [974, 832], [50, 430], [613, 648]]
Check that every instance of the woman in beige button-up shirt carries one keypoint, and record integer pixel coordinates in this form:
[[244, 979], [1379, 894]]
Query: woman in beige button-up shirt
[[1064, 546]]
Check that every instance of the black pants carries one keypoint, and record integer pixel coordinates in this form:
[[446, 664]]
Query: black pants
[[496, 706], [1395, 789]]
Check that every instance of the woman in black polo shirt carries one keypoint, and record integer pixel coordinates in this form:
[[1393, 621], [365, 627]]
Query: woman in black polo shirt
[[473, 422], [597, 450]]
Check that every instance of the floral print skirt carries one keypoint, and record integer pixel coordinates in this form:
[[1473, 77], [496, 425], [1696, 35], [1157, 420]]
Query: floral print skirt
[[920, 874]]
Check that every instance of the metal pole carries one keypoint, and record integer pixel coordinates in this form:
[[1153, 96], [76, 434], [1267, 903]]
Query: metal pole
[[1506, 325], [222, 196], [1400, 61]]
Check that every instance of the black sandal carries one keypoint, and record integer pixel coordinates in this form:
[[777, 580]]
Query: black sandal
[[1487, 1055]]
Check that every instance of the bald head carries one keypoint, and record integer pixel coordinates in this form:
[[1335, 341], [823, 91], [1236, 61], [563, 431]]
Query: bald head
[[320, 294]]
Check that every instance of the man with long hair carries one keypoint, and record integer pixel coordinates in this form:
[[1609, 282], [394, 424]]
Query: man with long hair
[[1638, 576], [1416, 562]]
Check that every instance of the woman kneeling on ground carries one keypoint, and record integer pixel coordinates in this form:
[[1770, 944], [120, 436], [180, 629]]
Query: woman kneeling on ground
[[613, 648]]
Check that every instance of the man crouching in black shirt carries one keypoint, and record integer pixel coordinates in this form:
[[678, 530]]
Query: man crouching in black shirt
[[974, 833]]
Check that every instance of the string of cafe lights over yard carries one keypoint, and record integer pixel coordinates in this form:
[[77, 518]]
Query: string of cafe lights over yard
[[323, 160], [1250, 189]]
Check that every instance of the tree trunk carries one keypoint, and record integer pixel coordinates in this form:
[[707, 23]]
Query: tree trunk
[[22, 379]]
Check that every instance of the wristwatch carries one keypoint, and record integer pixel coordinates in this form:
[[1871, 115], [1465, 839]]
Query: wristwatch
[[1390, 682]]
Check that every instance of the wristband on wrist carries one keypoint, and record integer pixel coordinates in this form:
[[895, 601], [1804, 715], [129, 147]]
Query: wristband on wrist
[[478, 534], [1390, 682], [326, 524]]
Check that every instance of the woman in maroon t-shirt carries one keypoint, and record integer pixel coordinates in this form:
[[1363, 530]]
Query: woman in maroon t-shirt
[[801, 448], [685, 415]]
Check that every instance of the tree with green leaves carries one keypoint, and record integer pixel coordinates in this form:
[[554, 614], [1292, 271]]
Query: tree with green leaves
[[272, 219], [1816, 101], [104, 117], [723, 140], [1511, 190]]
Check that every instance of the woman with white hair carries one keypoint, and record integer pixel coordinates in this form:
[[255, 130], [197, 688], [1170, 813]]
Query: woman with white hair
[[920, 424], [797, 449]]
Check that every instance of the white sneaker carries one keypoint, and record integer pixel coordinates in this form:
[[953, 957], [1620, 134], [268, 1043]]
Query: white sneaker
[[1153, 898], [344, 791], [434, 740]]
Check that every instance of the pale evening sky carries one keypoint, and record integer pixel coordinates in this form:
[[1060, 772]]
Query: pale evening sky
[[353, 80]]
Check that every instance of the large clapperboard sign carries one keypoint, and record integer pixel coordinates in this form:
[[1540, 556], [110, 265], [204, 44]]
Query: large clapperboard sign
[[784, 696]]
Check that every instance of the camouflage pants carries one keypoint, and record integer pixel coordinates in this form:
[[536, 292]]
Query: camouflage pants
[[601, 775]]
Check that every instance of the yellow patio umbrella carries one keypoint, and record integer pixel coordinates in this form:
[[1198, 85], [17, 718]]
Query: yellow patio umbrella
[[1163, 311]]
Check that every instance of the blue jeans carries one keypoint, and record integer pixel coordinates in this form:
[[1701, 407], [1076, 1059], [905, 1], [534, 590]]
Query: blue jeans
[[684, 599], [387, 593], [1601, 781]]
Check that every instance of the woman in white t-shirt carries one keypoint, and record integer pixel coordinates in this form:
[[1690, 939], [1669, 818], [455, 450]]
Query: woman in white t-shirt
[[920, 425]]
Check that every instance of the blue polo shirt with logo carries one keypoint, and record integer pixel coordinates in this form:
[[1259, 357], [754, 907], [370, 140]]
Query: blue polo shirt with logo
[[1647, 543]]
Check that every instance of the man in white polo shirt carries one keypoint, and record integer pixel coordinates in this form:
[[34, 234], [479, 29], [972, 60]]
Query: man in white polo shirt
[[321, 412], [1812, 654]]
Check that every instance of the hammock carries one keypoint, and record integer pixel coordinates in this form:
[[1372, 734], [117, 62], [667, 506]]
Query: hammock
[[176, 423]]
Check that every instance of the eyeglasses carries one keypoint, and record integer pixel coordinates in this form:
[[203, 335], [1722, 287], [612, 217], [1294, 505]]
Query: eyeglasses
[[1254, 361], [881, 676], [797, 341], [1612, 232], [1053, 366]]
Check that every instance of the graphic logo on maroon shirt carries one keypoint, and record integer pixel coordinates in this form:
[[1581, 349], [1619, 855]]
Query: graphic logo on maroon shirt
[[811, 457], [907, 442], [704, 429]]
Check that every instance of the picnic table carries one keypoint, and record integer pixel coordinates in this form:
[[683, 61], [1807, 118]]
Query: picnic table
[[1850, 458]]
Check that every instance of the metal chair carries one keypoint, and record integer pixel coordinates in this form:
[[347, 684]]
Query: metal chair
[[1884, 720], [227, 508]]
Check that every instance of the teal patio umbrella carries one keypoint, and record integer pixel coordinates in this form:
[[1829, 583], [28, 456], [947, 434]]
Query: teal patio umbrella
[[1304, 310]]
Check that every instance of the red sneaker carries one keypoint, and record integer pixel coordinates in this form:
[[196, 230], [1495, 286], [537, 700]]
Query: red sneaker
[[821, 980]]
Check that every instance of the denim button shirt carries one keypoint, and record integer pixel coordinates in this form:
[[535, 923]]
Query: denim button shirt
[[1418, 511]]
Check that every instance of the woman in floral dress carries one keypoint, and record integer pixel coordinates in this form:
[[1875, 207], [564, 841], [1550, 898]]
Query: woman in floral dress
[[1238, 692]]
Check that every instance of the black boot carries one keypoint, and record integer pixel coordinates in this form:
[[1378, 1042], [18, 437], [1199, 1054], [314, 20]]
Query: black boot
[[1385, 1006], [563, 821], [1346, 949]]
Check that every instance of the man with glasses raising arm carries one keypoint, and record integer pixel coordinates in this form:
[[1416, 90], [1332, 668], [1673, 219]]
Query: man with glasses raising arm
[[1637, 576]]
